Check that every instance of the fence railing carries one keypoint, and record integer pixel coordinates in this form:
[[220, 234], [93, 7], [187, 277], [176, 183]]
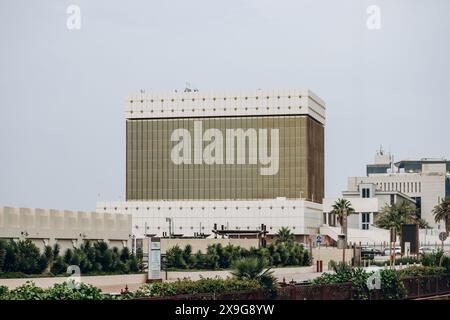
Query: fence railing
[[416, 287]]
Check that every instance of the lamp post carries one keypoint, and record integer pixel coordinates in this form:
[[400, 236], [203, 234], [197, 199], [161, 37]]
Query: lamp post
[[344, 229], [169, 220]]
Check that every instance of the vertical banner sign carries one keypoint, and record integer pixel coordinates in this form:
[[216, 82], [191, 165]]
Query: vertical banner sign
[[154, 259]]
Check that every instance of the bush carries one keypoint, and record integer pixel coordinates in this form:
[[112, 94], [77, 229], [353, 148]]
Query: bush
[[182, 287], [27, 291], [392, 288], [23, 258], [391, 285], [220, 257], [421, 271], [438, 259], [255, 269], [345, 273], [398, 261], [63, 291], [84, 292], [59, 266]]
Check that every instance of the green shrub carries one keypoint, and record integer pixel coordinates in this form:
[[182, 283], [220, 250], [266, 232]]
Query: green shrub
[[392, 288], [223, 257], [398, 261], [344, 273], [27, 291], [3, 291], [184, 287], [437, 259], [84, 292], [391, 285], [255, 269], [420, 271]]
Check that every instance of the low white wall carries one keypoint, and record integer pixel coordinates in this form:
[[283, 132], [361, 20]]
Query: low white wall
[[288, 273], [330, 253], [98, 281]]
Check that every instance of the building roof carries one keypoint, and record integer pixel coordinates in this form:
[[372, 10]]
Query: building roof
[[193, 104], [402, 163]]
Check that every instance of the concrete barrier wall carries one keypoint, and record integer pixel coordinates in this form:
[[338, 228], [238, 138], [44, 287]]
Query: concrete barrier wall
[[328, 254], [102, 282], [288, 273]]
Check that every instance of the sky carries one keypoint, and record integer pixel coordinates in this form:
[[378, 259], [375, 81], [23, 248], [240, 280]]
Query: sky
[[63, 91]]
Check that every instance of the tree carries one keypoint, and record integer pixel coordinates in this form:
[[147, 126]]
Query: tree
[[28, 256], [48, 252], [125, 254], [56, 250], [396, 214], [341, 208], [442, 213], [254, 269], [43, 263], [284, 235], [174, 258], [2, 254], [59, 266]]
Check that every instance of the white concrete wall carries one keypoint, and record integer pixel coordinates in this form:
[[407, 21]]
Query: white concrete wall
[[102, 282], [67, 228], [189, 217], [287, 273]]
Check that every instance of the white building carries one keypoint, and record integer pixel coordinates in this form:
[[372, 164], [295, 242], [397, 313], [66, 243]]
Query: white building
[[427, 181], [180, 173], [188, 218], [366, 208]]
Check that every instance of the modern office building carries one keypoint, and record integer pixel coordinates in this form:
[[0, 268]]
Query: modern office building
[[367, 206], [238, 159], [427, 181]]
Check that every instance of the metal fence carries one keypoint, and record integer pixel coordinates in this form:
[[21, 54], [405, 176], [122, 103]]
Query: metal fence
[[419, 287], [416, 287]]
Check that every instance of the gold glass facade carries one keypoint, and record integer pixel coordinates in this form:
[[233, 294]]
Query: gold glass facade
[[151, 173]]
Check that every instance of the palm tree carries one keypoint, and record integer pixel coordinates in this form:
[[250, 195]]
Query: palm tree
[[442, 212], [342, 207], [396, 214], [254, 269], [284, 235]]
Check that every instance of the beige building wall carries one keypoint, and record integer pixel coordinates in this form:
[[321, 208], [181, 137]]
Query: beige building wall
[[67, 228]]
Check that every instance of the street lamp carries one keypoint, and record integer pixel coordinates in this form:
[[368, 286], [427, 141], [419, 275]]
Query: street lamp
[[169, 220]]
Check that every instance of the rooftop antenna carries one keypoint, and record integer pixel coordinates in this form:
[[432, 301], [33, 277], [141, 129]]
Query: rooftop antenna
[[187, 87]]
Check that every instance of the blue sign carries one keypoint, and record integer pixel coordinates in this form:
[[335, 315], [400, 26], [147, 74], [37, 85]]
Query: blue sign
[[318, 239]]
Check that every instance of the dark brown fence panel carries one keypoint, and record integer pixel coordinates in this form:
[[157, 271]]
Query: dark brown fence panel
[[416, 287]]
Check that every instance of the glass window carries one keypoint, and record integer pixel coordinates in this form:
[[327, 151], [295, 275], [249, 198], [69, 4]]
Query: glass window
[[365, 220]]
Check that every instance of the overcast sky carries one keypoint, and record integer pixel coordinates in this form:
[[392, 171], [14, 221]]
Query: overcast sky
[[62, 92]]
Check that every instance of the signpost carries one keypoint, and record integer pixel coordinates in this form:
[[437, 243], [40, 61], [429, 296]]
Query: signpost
[[407, 248], [154, 259], [319, 262]]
